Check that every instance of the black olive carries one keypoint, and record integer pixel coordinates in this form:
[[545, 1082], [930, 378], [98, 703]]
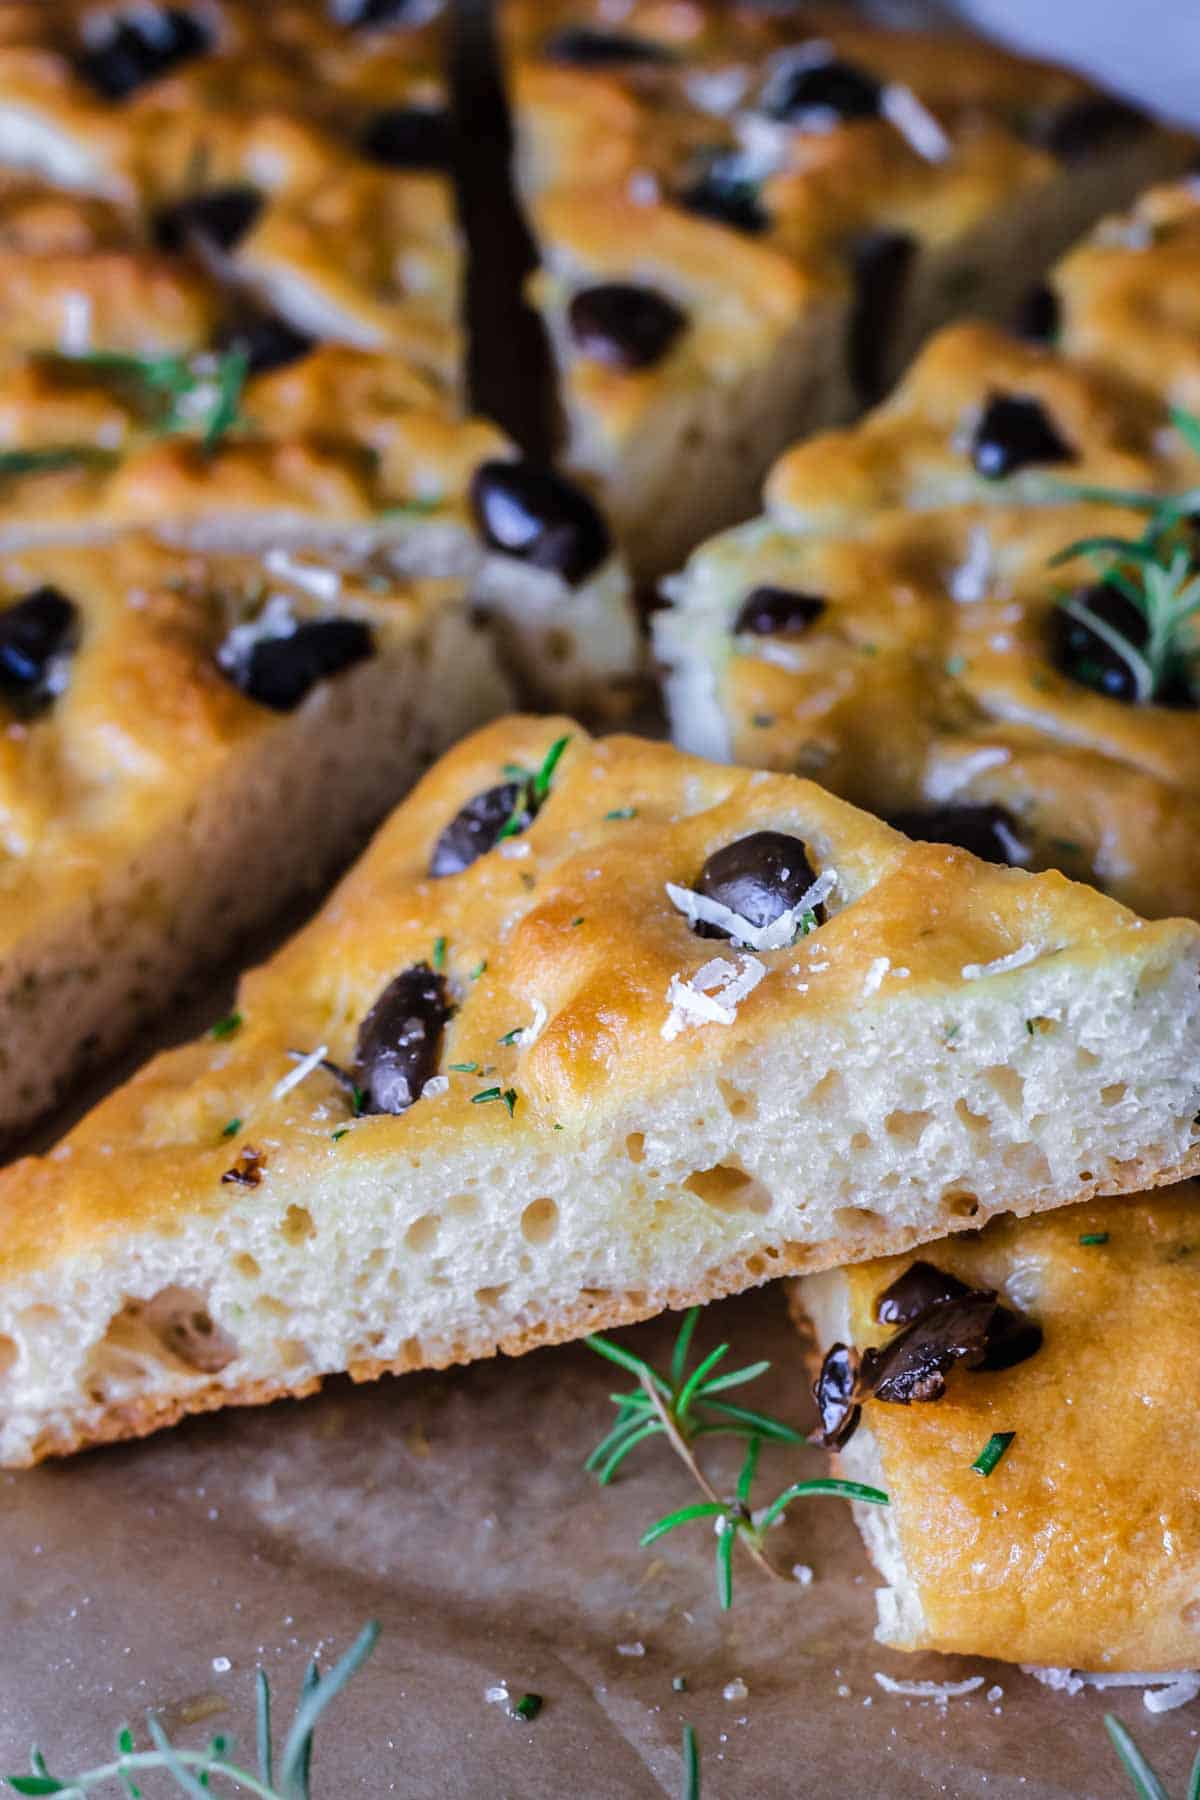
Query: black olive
[[1086, 656], [834, 1391], [400, 1040], [758, 877], [808, 86], [989, 832], [1012, 1338], [475, 828], [36, 633], [529, 512], [220, 217], [917, 1288], [1014, 432], [278, 672], [723, 191], [135, 52], [881, 262], [268, 342], [1096, 122], [361, 15], [1039, 315], [913, 1365], [589, 48], [772, 611], [623, 325], [409, 137]]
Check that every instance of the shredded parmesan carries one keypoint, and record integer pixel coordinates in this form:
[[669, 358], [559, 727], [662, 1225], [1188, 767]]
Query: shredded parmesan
[[901, 108], [1016, 959], [301, 1072], [875, 974], [941, 1691], [275, 620], [437, 1084], [533, 1031], [975, 573], [324, 584], [699, 908], [1164, 1689], [75, 334], [712, 995]]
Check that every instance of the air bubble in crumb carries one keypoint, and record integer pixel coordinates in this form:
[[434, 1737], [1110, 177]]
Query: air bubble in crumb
[[221, 1665], [735, 1690], [638, 1649]]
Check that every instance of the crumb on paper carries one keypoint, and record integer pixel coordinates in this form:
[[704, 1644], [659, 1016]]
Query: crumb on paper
[[221, 1665], [634, 1649], [735, 1690], [802, 1573]]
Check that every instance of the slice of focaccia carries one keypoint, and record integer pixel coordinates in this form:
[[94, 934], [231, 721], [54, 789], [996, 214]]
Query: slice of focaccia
[[594, 1028], [187, 742], [1040, 1446]]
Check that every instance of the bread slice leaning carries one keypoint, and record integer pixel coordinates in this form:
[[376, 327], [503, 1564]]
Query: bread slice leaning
[[1081, 1549], [604, 1112], [163, 792]]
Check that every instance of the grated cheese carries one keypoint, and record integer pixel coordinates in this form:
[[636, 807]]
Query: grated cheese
[[323, 584], [875, 974], [301, 1072], [901, 108], [698, 908], [437, 1084], [1016, 959], [1164, 1689], [713, 994], [941, 1691], [533, 1031]]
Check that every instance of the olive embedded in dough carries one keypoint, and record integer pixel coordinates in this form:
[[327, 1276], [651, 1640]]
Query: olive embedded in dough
[[476, 828], [37, 633], [525, 510], [135, 50], [409, 137], [913, 1365], [623, 324], [1014, 433], [279, 671], [727, 191], [1094, 658], [759, 877], [777, 611], [808, 86], [400, 1040], [1039, 316], [1012, 1338]]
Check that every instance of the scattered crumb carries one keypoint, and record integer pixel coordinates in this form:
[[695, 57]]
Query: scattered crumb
[[635, 1649], [735, 1690], [221, 1665], [803, 1574]]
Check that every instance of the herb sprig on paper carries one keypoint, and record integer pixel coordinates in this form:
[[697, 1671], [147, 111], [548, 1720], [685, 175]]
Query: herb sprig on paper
[[683, 1406], [196, 1772], [1146, 1784]]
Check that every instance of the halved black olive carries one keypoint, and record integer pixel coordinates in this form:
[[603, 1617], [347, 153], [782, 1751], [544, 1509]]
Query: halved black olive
[[475, 828], [913, 1365], [400, 1040], [1012, 1338], [914, 1291], [268, 341], [590, 48], [723, 191], [772, 611], [278, 672], [36, 633], [1014, 432], [1039, 315], [989, 832], [759, 877], [1096, 122], [809, 86], [881, 262], [531, 513], [221, 217], [834, 1391], [624, 325], [409, 137], [140, 47], [1086, 656]]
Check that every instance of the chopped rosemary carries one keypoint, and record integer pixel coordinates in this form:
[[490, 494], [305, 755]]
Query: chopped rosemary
[[480, 966], [508, 1095], [192, 1771], [31, 462], [528, 1706], [1146, 1784], [439, 953], [231, 1129], [683, 1408], [691, 1765], [358, 1099], [339, 1133], [1093, 1237], [225, 1028], [231, 379], [575, 922], [464, 1068], [622, 812], [992, 1452]]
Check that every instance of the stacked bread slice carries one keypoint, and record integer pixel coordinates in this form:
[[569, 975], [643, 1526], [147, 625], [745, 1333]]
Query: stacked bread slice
[[750, 218]]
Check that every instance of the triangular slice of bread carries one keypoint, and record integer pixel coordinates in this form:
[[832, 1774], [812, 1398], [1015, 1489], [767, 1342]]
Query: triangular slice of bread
[[611, 1113], [1080, 1550]]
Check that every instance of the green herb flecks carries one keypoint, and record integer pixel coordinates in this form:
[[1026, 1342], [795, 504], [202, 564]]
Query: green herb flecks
[[622, 812], [684, 1406], [439, 953], [225, 1028], [993, 1451], [1093, 1237], [33, 462], [486, 1095], [201, 392], [231, 1129], [533, 785], [196, 1771], [464, 1068]]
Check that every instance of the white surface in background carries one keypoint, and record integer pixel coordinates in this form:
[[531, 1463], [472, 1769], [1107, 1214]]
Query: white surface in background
[[1148, 49]]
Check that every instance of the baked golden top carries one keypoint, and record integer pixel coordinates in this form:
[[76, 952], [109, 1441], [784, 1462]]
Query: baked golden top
[[563, 956], [1082, 1547], [124, 692]]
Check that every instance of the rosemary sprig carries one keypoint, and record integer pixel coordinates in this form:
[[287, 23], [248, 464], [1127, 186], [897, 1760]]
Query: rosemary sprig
[[194, 1771], [682, 1408], [204, 390], [1146, 1784], [533, 785]]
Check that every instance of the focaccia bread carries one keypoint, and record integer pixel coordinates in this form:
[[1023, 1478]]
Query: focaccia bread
[[186, 743], [1081, 1549], [898, 178], [502, 1091]]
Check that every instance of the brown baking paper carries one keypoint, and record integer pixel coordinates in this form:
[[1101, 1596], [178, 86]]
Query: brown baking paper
[[455, 1509]]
